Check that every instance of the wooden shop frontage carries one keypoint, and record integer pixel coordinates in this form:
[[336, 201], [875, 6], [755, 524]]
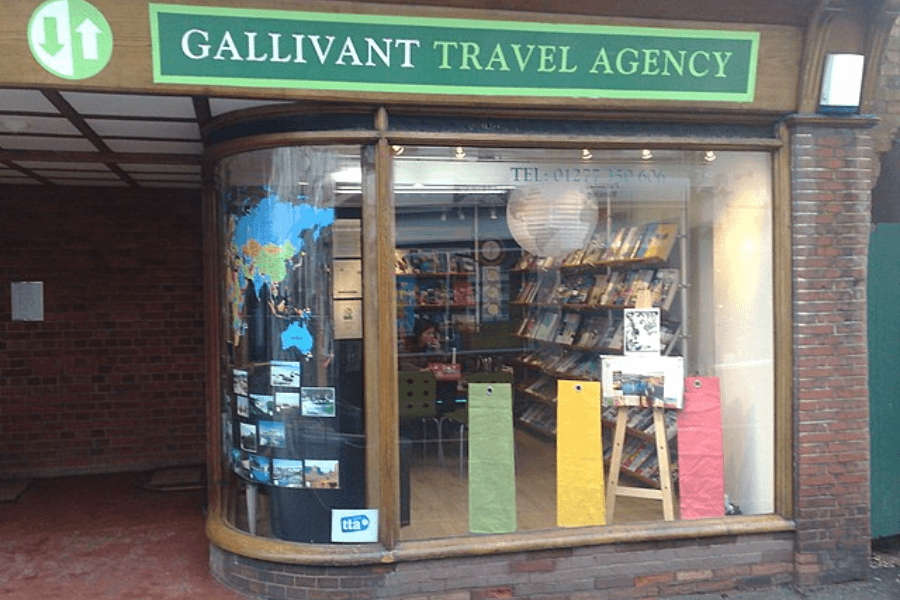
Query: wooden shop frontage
[[502, 302]]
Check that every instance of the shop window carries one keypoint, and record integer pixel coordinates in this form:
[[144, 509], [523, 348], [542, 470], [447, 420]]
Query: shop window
[[293, 410], [537, 291], [523, 275]]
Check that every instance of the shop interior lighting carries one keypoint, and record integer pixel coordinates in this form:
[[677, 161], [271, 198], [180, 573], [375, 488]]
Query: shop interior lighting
[[493, 213], [460, 215], [444, 215]]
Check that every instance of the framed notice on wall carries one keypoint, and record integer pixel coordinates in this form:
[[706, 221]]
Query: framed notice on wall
[[347, 319], [347, 278]]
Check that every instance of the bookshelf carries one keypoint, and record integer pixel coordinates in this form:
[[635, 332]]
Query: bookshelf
[[571, 314], [435, 284]]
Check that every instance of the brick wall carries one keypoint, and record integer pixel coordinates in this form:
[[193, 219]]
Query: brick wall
[[112, 379], [833, 173], [638, 570]]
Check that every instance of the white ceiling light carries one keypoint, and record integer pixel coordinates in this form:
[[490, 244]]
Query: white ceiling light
[[551, 221]]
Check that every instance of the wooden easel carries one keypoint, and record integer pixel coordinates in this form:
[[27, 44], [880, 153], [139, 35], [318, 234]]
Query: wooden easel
[[662, 456], [613, 488]]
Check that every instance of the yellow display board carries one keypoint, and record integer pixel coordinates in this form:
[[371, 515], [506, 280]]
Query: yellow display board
[[580, 496]]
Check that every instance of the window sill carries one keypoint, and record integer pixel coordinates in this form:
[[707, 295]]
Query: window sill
[[226, 537]]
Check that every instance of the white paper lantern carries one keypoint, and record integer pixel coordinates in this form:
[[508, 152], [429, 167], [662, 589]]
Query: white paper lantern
[[548, 221]]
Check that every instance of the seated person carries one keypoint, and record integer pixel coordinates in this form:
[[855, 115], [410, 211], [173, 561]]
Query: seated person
[[424, 347]]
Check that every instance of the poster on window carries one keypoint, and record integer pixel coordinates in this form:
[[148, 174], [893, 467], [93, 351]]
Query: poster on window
[[645, 381]]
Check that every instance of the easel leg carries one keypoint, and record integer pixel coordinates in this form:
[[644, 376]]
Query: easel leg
[[615, 463], [662, 455]]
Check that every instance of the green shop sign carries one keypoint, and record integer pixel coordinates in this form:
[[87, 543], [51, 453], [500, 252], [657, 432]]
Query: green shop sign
[[370, 53]]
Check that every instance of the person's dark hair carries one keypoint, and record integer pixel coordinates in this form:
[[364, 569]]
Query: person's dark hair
[[423, 325]]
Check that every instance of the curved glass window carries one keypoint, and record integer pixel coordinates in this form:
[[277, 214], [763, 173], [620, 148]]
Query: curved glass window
[[293, 406]]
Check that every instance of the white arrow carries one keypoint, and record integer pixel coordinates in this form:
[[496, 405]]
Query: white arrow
[[89, 32]]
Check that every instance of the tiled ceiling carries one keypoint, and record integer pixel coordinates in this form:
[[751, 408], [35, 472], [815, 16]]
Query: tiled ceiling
[[50, 137]]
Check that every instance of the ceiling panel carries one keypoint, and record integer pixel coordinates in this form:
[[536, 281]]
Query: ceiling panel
[[56, 143], [128, 105], [83, 138], [31, 125], [25, 100], [175, 130]]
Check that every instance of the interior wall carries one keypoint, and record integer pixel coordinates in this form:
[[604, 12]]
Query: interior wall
[[112, 378]]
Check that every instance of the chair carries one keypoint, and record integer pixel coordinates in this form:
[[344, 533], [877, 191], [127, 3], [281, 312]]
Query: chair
[[460, 416], [417, 396]]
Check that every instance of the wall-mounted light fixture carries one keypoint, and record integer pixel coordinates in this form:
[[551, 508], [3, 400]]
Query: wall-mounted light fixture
[[460, 153], [709, 156], [398, 150], [842, 84], [646, 154], [586, 154]]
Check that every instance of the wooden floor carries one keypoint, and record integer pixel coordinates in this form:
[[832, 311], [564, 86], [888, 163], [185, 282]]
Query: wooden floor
[[439, 500]]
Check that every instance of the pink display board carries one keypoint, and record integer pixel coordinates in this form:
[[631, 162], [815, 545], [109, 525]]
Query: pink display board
[[701, 465]]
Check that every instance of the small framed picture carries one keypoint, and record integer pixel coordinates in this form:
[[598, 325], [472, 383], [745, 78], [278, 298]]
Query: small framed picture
[[321, 474], [317, 402], [641, 331], [645, 381]]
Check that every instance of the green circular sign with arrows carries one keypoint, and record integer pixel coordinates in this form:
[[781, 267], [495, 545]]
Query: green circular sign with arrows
[[70, 38]]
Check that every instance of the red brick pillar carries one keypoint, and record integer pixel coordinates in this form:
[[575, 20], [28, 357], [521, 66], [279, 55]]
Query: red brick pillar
[[832, 173]]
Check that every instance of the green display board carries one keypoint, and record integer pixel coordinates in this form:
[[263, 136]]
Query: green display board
[[492, 477], [884, 385]]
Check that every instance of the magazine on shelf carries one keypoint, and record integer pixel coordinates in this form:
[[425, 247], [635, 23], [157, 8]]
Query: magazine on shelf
[[639, 283], [633, 235], [568, 328], [612, 250], [647, 451], [637, 244], [624, 290], [646, 240], [546, 325], [614, 324], [616, 278], [594, 251], [601, 282], [664, 288], [580, 289], [662, 241], [526, 329], [592, 330]]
